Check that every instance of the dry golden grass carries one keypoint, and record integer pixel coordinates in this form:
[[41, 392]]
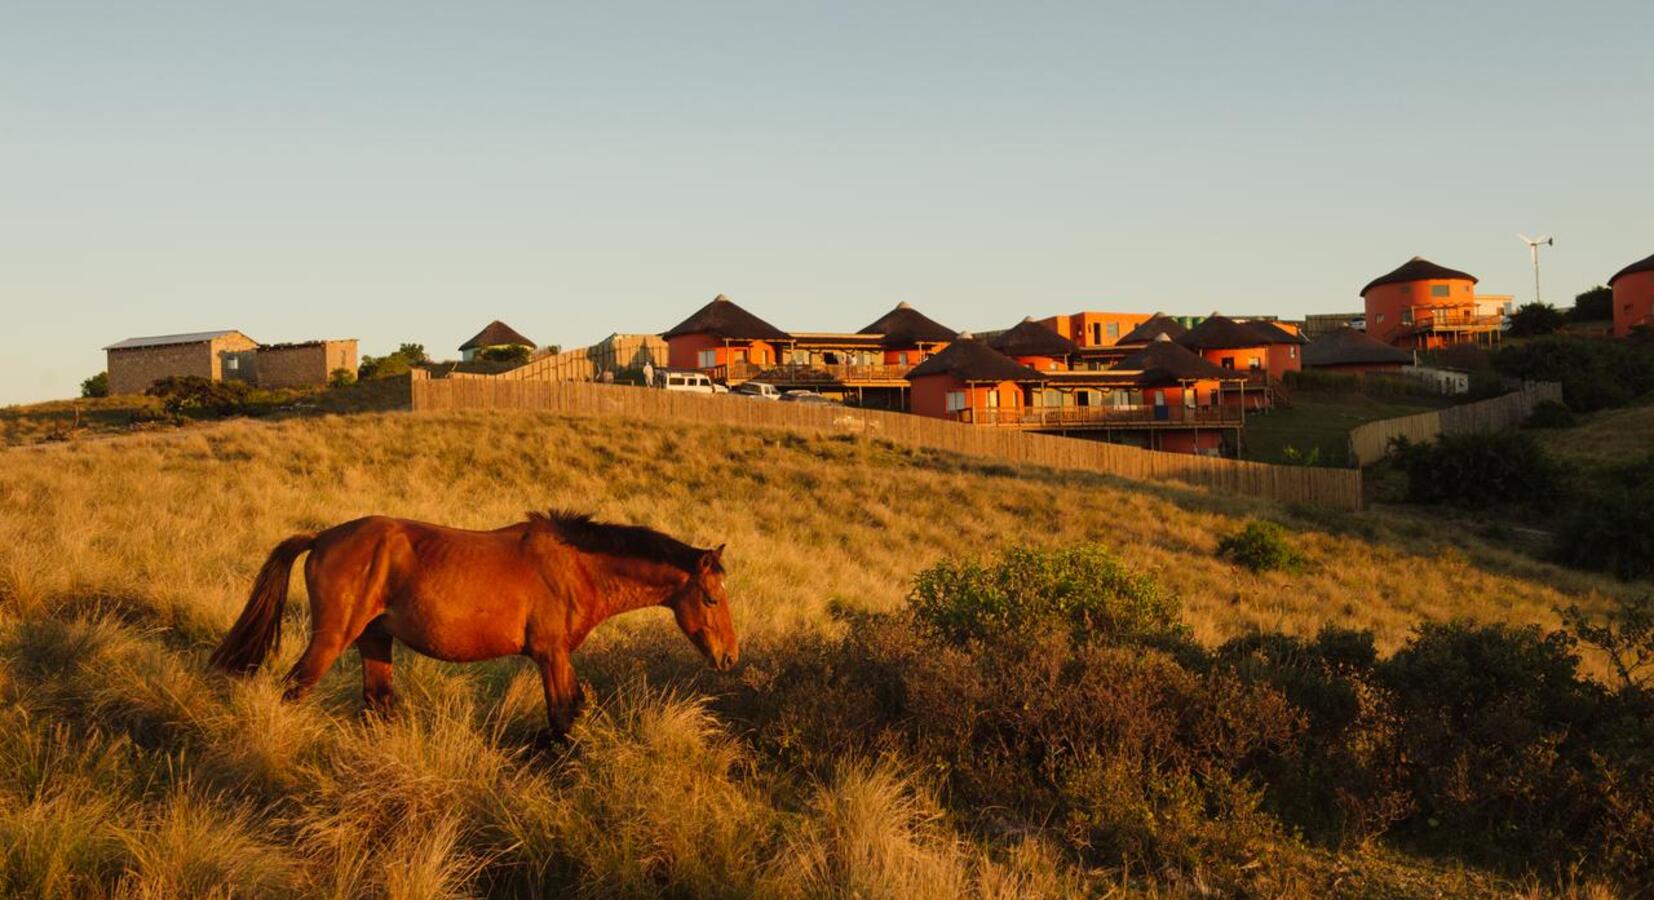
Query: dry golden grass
[[127, 768]]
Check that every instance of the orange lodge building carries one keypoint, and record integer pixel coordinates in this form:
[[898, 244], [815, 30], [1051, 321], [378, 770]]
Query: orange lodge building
[[720, 334], [1634, 298], [1424, 306], [1094, 329], [1036, 346]]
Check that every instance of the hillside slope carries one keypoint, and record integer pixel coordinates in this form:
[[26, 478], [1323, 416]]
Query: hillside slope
[[131, 767]]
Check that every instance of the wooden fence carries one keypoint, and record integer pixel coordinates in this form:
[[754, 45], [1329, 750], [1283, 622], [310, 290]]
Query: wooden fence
[[1339, 488], [1370, 442], [615, 353]]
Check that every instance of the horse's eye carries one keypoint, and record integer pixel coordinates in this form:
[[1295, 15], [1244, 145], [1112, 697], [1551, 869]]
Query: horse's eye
[[708, 599]]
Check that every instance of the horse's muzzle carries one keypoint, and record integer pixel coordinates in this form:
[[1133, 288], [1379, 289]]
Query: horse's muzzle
[[724, 662]]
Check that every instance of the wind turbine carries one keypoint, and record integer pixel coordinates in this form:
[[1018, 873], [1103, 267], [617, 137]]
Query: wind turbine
[[1533, 247]]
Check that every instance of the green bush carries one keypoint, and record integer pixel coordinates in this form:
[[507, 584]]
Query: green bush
[[194, 395], [374, 368], [1595, 305], [1261, 547], [1483, 743], [1550, 414], [1481, 469], [1612, 529], [96, 386], [339, 378], [515, 353], [1595, 374], [1535, 319], [1085, 589]]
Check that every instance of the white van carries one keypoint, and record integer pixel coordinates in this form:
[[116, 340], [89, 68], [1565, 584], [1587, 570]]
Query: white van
[[757, 389], [691, 382]]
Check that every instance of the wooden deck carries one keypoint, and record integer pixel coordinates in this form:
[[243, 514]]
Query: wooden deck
[[796, 375]]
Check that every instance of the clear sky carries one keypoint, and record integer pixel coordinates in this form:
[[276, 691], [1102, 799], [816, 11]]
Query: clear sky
[[408, 171]]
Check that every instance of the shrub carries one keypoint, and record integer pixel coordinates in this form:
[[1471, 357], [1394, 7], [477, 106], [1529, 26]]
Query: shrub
[[1481, 469], [339, 378], [1535, 319], [1594, 374], [1625, 635], [514, 353], [406, 356], [1611, 531], [1495, 741], [1261, 547], [1595, 305], [194, 395], [1085, 589], [1550, 414], [96, 386]]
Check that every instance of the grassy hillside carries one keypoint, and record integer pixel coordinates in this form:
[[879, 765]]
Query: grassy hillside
[[126, 767]]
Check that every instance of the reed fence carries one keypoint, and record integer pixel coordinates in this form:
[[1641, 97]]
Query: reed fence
[[615, 353], [1370, 442], [1340, 488]]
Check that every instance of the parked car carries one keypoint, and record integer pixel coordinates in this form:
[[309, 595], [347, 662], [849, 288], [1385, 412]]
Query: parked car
[[690, 382], [803, 396], [757, 389]]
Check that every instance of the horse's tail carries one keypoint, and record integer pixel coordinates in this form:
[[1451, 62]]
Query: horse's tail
[[258, 631]]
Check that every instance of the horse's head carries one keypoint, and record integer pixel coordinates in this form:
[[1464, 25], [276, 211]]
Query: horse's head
[[702, 611]]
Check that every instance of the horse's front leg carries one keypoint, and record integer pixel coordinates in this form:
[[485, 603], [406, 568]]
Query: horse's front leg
[[563, 695]]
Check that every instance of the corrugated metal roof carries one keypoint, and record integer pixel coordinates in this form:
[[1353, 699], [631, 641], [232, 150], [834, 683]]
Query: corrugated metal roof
[[161, 340]]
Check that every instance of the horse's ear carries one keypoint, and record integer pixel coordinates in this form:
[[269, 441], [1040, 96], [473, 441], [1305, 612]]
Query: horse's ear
[[710, 561]]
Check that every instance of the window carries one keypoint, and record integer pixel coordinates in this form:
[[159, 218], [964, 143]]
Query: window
[[1189, 398], [901, 358], [1407, 316], [706, 359], [956, 401], [1254, 364], [1381, 318], [1439, 290], [231, 363], [1096, 333], [993, 399], [1114, 329], [1292, 352], [1228, 362]]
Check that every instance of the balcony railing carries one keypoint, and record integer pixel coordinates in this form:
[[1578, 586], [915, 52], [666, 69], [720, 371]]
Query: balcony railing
[[809, 373], [1451, 321], [1102, 416]]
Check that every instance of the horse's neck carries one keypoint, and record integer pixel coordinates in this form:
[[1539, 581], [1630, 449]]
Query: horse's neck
[[629, 584]]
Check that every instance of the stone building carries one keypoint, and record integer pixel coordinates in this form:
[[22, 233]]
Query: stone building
[[305, 364], [136, 363]]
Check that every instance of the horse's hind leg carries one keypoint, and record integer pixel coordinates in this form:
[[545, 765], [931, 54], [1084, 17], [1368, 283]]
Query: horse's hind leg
[[374, 646]]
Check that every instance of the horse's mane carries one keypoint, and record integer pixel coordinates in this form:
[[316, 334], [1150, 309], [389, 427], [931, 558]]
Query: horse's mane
[[580, 531]]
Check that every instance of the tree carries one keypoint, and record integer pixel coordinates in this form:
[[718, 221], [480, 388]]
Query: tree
[[1535, 319], [392, 364], [413, 353], [1595, 305], [96, 386]]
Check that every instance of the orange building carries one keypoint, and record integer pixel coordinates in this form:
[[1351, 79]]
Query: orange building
[[1421, 305], [970, 382], [1036, 346], [1281, 343], [908, 335], [721, 333], [1634, 298], [1094, 329], [1348, 350]]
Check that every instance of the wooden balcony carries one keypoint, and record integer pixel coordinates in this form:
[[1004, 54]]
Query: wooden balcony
[[789, 375], [1440, 321], [1101, 417]]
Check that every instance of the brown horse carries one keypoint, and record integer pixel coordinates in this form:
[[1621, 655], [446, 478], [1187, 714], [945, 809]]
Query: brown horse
[[535, 589]]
